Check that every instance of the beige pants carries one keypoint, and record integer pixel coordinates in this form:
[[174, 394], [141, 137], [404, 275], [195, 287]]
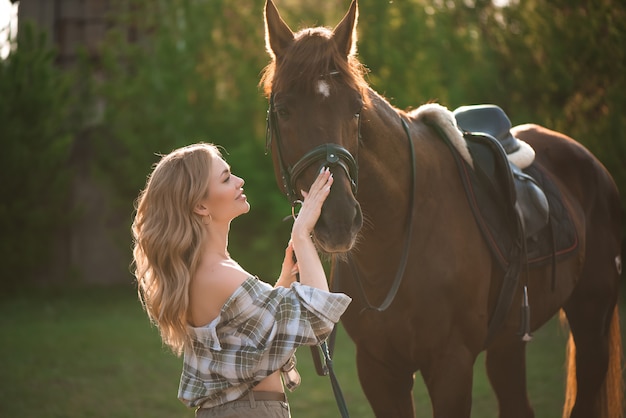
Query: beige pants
[[247, 407]]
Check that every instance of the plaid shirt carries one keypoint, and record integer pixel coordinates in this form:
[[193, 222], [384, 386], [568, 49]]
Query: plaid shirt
[[255, 334]]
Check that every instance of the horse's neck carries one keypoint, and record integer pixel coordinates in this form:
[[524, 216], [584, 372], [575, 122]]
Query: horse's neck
[[386, 172], [384, 139]]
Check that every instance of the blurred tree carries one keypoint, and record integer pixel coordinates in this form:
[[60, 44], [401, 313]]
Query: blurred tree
[[421, 51], [191, 75], [36, 142]]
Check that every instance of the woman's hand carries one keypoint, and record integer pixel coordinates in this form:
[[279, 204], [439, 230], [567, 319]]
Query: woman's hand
[[309, 265], [312, 205]]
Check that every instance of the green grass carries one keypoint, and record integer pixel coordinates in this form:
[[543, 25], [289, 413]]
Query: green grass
[[92, 353]]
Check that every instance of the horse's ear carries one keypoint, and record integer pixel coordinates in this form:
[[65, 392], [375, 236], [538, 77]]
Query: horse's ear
[[278, 36], [344, 33]]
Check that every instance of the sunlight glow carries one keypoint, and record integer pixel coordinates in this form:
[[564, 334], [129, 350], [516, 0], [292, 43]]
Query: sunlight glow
[[503, 3], [8, 27]]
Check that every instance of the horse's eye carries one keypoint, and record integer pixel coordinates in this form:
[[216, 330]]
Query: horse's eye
[[282, 112]]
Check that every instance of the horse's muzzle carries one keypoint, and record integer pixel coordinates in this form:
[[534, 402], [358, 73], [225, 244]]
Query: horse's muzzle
[[336, 231]]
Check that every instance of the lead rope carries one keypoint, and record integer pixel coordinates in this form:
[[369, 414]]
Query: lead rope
[[334, 382], [327, 367]]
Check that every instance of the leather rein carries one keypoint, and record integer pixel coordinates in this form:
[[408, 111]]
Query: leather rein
[[395, 285]]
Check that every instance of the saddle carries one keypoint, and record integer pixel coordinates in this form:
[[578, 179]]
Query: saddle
[[487, 130]]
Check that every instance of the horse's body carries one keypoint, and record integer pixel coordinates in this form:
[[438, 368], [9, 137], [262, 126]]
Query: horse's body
[[438, 321]]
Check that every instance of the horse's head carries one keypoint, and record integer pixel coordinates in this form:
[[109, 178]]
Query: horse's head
[[316, 90]]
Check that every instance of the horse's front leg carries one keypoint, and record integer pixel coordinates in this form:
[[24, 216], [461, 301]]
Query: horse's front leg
[[388, 387], [448, 378]]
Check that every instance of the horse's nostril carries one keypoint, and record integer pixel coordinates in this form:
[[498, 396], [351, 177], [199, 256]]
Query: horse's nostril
[[358, 217]]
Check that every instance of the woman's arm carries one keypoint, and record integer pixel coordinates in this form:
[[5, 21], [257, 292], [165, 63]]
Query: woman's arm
[[309, 264]]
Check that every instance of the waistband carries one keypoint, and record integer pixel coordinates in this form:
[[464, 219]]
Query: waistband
[[258, 396]]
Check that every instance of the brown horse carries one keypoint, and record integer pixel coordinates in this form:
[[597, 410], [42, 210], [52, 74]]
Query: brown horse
[[399, 208]]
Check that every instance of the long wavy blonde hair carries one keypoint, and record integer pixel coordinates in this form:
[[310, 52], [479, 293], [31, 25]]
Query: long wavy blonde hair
[[168, 238]]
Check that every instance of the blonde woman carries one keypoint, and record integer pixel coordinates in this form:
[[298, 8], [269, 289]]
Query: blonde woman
[[238, 334]]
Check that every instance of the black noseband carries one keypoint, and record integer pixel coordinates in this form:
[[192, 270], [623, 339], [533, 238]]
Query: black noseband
[[330, 155]]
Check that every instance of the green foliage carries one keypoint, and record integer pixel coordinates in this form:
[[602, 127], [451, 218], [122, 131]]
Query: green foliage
[[36, 143], [421, 51]]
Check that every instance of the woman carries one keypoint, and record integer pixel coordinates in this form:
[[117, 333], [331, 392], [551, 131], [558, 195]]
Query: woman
[[237, 333]]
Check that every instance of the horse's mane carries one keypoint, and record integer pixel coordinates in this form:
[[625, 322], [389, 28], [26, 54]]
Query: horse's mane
[[313, 56]]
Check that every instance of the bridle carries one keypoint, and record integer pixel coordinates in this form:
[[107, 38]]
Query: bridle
[[329, 154]]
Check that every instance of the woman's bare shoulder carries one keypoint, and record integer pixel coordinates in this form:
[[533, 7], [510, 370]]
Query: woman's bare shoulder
[[211, 287]]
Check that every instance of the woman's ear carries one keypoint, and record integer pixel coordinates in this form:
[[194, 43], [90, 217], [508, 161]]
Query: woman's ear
[[201, 209]]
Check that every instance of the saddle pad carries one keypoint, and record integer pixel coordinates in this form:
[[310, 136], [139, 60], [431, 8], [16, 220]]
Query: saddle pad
[[558, 240], [560, 234]]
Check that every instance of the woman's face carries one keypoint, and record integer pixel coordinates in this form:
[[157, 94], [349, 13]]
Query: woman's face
[[226, 200]]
